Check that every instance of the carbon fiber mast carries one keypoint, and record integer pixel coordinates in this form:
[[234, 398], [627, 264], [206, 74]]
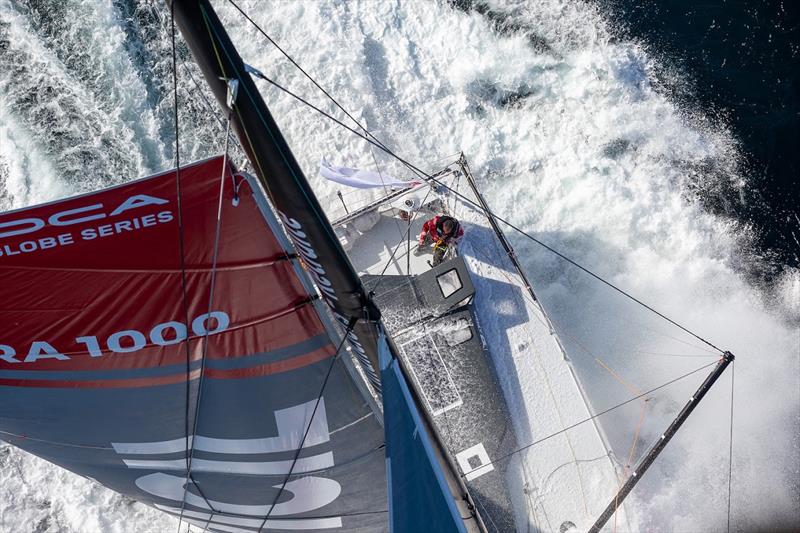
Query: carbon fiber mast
[[661, 443], [311, 233], [279, 173]]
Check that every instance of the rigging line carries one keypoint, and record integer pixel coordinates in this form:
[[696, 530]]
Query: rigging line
[[404, 285], [562, 332], [374, 141], [385, 189], [188, 71], [274, 134], [630, 320], [616, 376], [408, 245], [537, 360], [730, 451], [310, 421], [181, 249], [56, 443], [627, 320], [550, 390], [580, 345], [458, 182], [529, 501], [642, 415], [403, 238], [225, 126], [592, 274], [260, 75], [558, 411], [531, 297], [383, 147], [601, 413], [662, 354], [556, 326], [475, 205], [378, 144], [488, 515], [198, 90], [203, 357], [307, 75]]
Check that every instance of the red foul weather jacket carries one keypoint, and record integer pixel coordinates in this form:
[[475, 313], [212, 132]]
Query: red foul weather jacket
[[434, 228]]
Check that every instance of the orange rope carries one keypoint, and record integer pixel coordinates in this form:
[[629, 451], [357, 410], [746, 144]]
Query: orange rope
[[630, 457], [630, 387], [627, 466], [636, 434]]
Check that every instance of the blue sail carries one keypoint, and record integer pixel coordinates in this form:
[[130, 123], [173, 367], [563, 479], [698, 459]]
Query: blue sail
[[419, 498]]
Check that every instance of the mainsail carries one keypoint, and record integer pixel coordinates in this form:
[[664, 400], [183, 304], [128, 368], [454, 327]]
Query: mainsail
[[107, 318]]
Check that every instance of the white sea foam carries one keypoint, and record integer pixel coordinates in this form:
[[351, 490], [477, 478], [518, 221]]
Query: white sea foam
[[572, 143], [28, 177]]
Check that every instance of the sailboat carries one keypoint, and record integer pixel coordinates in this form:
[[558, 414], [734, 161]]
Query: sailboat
[[210, 343]]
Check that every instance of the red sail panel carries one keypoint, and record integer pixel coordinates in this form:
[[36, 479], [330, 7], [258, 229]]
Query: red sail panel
[[95, 282], [104, 314]]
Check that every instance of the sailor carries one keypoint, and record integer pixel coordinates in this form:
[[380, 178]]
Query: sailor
[[443, 232]]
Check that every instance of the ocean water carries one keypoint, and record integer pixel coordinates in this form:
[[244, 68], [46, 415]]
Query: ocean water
[[740, 63], [591, 125]]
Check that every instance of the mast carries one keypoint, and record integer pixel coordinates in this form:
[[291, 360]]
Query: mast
[[656, 449], [306, 223], [279, 173]]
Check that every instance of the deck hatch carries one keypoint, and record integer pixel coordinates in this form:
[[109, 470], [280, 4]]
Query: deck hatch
[[432, 374]]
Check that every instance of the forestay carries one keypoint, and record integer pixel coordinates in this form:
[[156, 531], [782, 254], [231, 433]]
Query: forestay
[[99, 295]]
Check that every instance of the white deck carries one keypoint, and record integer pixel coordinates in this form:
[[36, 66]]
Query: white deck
[[378, 241], [569, 477]]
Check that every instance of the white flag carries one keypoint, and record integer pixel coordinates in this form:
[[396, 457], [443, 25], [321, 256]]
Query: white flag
[[361, 179]]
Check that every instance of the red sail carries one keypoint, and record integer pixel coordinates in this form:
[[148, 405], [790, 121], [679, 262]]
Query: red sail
[[95, 283], [99, 294]]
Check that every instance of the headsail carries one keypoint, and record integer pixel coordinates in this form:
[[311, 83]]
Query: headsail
[[94, 358]]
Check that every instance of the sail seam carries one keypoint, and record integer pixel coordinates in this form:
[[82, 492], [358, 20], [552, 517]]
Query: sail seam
[[231, 268]]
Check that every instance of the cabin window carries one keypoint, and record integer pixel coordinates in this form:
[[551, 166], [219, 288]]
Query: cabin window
[[449, 282]]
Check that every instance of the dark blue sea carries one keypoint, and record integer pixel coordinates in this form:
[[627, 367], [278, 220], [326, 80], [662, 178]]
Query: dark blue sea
[[740, 64]]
